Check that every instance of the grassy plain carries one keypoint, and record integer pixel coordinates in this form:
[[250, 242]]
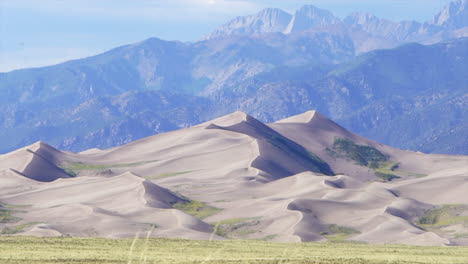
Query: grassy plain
[[27, 250]]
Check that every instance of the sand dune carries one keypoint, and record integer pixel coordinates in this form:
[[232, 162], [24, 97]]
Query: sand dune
[[37, 162], [119, 206], [235, 177]]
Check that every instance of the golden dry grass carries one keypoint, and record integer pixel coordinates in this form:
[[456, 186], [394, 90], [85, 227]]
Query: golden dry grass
[[26, 250]]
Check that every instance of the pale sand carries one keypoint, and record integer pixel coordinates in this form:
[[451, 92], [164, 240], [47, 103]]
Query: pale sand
[[259, 174]]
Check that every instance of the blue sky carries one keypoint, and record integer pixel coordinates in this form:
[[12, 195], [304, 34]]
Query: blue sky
[[43, 32]]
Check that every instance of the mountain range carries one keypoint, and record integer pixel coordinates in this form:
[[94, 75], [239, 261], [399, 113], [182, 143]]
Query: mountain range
[[271, 65], [303, 178], [367, 31]]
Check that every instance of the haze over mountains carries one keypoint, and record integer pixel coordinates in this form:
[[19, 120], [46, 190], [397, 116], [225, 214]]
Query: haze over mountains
[[367, 31], [303, 178], [270, 65]]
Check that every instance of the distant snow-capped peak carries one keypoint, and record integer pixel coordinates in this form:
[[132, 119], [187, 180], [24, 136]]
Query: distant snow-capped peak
[[310, 16], [454, 15], [360, 18], [267, 20]]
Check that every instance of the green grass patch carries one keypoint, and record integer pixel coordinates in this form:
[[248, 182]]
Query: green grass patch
[[11, 230], [370, 157], [387, 166], [417, 175], [390, 168], [7, 211], [166, 175], [70, 172], [337, 233], [236, 227], [385, 170], [461, 235], [268, 238], [6, 217], [386, 177], [197, 209], [74, 168], [446, 215], [336, 229], [28, 250], [13, 206]]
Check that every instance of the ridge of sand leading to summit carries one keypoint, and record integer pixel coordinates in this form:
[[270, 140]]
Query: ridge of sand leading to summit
[[303, 178]]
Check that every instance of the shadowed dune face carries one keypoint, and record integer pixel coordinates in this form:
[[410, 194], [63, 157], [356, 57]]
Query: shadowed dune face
[[303, 178], [37, 162]]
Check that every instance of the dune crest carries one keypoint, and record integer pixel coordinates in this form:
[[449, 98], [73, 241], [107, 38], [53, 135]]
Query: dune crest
[[306, 117], [38, 161]]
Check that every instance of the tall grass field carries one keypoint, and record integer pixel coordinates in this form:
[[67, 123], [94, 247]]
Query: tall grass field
[[26, 250]]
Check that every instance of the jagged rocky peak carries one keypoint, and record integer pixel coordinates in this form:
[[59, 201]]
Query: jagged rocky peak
[[265, 21], [397, 31], [360, 18], [274, 17], [454, 15], [309, 17]]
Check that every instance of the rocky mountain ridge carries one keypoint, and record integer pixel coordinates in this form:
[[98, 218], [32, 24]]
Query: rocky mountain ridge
[[452, 20]]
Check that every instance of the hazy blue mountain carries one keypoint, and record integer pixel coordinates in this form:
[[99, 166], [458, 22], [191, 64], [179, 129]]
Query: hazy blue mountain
[[267, 20], [367, 31], [309, 17], [448, 23], [416, 96], [396, 31], [413, 97], [222, 64], [74, 105], [150, 65], [454, 15], [157, 65], [407, 97], [102, 122]]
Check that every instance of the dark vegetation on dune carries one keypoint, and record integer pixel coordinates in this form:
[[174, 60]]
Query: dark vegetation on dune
[[367, 156], [362, 154]]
